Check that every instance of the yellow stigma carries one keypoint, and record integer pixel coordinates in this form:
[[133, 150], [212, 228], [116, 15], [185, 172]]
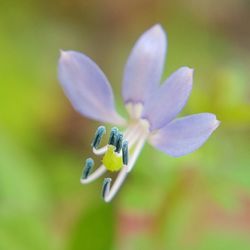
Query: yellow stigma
[[111, 160]]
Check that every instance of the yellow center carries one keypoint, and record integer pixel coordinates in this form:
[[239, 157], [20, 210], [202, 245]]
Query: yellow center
[[111, 160]]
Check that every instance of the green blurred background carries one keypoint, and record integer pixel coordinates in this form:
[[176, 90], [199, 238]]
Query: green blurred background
[[197, 202]]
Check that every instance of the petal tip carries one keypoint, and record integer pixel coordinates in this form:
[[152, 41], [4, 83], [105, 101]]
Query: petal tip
[[189, 74], [157, 27], [216, 123], [64, 55], [158, 30], [190, 71]]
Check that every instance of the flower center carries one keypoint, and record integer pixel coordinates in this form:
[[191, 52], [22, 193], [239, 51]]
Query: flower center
[[135, 135], [120, 154]]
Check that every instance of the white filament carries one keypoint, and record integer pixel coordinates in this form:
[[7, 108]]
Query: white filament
[[98, 172], [110, 193], [100, 151]]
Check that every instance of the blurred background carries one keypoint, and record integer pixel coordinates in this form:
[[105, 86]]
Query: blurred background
[[196, 202]]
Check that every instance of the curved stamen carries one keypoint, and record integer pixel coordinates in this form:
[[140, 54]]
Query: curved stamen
[[97, 173], [115, 139], [98, 136], [109, 193], [134, 141]]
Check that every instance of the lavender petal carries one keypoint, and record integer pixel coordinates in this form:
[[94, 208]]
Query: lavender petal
[[87, 87], [184, 135], [169, 99], [144, 66]]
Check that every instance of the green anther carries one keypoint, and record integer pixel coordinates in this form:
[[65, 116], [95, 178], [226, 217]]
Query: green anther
[[111, 160], [119, 142], [105, 185], [113, 136], [98, 136], [125, 153], [89, 164]]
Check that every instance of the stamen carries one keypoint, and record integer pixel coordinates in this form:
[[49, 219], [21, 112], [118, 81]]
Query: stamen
[[109, 192], [113, 136], [120, 154], [89, 164], [125, 153], [119, 142], [98, 136], [93, 176], [106, 186]]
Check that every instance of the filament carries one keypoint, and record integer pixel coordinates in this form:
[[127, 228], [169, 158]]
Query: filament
[[98, 172]]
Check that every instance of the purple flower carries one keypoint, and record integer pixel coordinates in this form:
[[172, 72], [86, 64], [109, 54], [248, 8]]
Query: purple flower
[[152, 107]]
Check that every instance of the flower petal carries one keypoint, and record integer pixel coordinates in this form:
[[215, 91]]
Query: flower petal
[[87, 87], [184, 135], [169, 99], [144, 66]]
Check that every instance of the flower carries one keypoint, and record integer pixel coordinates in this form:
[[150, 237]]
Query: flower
[[152, 107]]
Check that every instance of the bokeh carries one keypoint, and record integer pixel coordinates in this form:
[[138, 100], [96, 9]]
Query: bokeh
[[196, 202]]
